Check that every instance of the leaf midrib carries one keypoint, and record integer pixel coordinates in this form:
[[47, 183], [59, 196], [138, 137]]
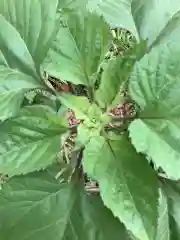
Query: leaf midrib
[[128, 189]]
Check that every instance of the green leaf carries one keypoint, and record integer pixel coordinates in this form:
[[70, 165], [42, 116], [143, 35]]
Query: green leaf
[[111, 82], [138, 17], [154, 86], [92, 126], [13, 86], [72, 5], [163, 230], [79, 104], [14, 54], [83, 109], [42, 98], [165, 15], [95, 117], [38, 207], [172, 190], [80, 47], [35, 21], [175, 232], [30, 141], [115, 76], [110, 9], [21, 53], [128, 186], [91, 114], [85, 133]]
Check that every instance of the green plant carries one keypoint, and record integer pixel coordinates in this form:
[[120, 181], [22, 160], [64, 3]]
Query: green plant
[[45, 156]]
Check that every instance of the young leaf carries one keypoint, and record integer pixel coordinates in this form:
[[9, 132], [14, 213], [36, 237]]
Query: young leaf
[[35, 21], [30, 141], [111, 82], [79, 104], [138, 17], [38, 207], [91, 126], [83, 109], [155, 85], [79, 48], [128, 186], [85, 133], [116, 74]]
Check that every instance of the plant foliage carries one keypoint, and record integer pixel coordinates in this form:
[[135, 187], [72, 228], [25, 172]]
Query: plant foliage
[[89, 120]]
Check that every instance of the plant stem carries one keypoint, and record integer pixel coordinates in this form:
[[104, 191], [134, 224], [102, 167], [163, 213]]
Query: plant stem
[[78, 173], [90, 94]]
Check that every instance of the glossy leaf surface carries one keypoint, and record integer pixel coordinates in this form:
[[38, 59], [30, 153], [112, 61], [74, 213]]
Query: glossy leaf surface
[[116, 75], [37, 206], [30, 141], [138, 17], [125, 189], [35, 21], [27, 29], [154, 86], [81, 45]]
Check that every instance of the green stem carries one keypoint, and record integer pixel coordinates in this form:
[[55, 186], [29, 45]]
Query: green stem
[[90, 94], [78, 173]]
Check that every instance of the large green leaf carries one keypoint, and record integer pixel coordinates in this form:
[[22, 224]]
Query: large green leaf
[[116, 12], [127, 184], [155, 85], [72, 5], [30, 141], [115, 76], [172, 190], [38, 207], [26, 29], [165, 15], [138, 17], [13, 85], [163, 230], [35, 21], [13, 51], [79, 48]]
